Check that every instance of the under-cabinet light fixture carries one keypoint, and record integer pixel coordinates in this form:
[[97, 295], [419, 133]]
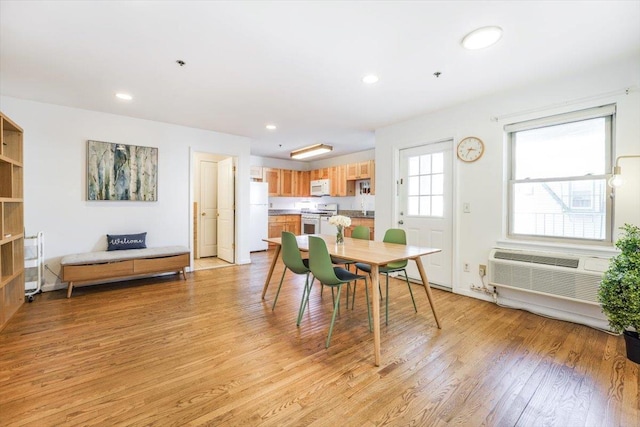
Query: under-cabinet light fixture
[[312, 150], [617, 180]]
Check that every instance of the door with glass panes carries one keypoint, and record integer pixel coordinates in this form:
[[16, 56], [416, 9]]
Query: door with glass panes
[[425, 211]]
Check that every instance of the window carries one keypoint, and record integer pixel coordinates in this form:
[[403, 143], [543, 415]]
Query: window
[[426, 185], [558, 173]]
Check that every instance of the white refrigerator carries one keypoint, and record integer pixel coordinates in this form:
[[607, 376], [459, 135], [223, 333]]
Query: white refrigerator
[[258, 216]]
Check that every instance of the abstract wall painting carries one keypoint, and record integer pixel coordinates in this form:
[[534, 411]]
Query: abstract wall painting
[[121, 172]]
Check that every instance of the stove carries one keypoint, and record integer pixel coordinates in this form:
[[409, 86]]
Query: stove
[[310, 219]]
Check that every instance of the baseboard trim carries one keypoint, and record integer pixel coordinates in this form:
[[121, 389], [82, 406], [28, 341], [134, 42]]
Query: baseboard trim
[[48, 287]]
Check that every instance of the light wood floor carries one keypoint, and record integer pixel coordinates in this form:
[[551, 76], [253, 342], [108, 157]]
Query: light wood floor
[[208, 351], [208, 263]]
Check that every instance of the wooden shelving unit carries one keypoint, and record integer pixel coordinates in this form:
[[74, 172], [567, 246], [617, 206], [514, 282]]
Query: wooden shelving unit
[[11, 220]]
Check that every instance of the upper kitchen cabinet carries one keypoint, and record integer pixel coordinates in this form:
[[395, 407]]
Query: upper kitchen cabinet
[[320, 174], [272, 177], [302, 182], [362, 170], [287, 183], [338, 178], [294, 183], [255, 173]]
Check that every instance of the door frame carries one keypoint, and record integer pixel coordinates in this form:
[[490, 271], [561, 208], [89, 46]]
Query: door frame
[[454, 201], [192, 199]]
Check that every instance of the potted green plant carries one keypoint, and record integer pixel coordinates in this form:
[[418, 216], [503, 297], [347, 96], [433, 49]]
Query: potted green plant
[[619, 291]]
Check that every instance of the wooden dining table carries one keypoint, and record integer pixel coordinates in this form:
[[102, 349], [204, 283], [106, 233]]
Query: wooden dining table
[[374, 253]]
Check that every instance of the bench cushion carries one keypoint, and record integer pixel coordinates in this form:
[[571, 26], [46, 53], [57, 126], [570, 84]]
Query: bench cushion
[[112, 256]]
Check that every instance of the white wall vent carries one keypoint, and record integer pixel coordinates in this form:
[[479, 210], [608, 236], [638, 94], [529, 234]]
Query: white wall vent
[[565, 276]]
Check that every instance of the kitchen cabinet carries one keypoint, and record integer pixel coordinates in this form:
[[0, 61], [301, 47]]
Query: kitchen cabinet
[[320, 174], [272, 177], [287, 187], [372, 184], [367, 222], [294, 183], [287, 182], [280, 223], [361, 170], [255, 173], [338, 177], [302, 183]]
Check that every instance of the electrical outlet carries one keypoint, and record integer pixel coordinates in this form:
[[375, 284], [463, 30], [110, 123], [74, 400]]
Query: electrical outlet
[[467, 268], [482, 270]]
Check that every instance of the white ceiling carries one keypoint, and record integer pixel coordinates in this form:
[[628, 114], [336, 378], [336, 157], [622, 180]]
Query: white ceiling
[[296, 64]]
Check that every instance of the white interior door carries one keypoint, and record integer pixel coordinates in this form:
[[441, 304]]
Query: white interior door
[[207, 241], [425, 210], [226, 210]]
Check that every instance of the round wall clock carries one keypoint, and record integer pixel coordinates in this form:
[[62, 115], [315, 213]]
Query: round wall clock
[[470, 149]]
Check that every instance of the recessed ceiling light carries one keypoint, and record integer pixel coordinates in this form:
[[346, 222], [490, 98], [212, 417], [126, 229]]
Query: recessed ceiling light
[[124, 96], [271, 127], [370, 79], [482, 37]]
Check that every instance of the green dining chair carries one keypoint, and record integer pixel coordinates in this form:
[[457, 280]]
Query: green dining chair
[[392, 235], [293, 261], [329, 275], [359, 232]]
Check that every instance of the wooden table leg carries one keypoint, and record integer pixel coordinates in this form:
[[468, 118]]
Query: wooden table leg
[[427, 288], [375, 292], [273, 265]]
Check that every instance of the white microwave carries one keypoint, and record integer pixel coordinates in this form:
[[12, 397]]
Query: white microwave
[[320, 187]]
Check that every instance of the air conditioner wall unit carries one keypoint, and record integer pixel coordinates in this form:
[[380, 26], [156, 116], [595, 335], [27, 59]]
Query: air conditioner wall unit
[[571, 277]]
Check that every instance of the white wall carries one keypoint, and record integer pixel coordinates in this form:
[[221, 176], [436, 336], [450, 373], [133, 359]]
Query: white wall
[[55, 141], [483, 183]]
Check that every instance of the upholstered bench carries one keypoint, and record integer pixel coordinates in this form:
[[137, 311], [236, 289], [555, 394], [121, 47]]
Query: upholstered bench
[[80, 269]]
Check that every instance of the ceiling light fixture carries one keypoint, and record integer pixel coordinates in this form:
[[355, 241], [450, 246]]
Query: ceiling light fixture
[[370, 79], [124, 96], [617, 180], [481, 38], [312, 150], [271, 127]]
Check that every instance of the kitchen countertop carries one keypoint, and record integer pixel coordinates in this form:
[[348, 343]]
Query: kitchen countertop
[[358, 214], [284, 212], [350, 214]]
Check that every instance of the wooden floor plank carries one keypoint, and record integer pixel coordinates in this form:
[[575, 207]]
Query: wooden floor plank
[[209, 351]]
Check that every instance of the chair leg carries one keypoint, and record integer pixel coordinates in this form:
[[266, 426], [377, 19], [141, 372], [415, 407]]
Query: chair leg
[[386, 303], [410, 291], [366, 291], [305, 301], [348, 289], [275, 300], [336, 307], [353, 298]]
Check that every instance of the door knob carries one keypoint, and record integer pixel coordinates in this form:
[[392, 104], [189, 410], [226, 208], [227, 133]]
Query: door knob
[[401, 222], [204, 213]]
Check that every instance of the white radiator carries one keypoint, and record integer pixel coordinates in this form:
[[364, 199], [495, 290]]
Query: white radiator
[[565, 276]]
